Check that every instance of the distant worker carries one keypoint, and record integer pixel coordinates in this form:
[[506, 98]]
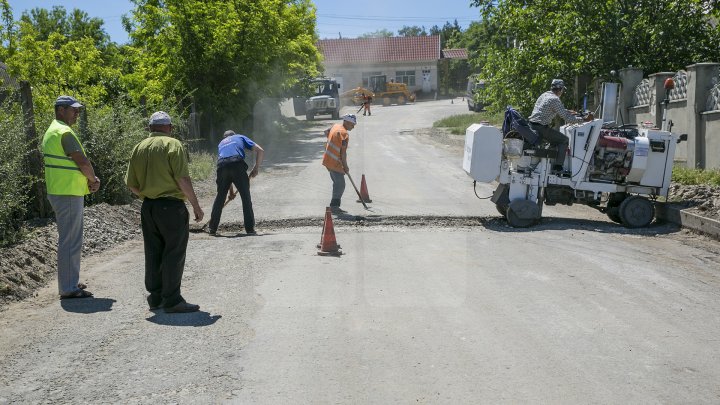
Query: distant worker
[[335, 158], [547, 107], [367, 99], [232, 169], [69, 176], [158, 174]]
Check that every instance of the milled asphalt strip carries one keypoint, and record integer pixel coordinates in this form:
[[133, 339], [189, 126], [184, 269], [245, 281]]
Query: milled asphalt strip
[[491, 223], [685, 219]]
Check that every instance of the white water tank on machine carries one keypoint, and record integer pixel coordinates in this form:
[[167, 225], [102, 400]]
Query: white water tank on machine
[[483, 152]]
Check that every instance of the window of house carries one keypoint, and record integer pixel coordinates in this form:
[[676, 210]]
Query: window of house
[[366, 78], [405, 76]]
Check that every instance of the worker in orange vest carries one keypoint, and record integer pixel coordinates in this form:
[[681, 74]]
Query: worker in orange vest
[[335, 157], [367, 100]]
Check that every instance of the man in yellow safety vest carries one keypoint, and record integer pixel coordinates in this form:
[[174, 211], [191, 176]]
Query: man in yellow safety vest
[[69, 176]]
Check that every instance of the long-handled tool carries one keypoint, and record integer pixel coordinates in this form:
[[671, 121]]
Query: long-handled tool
[[357, 191], [361, 107]]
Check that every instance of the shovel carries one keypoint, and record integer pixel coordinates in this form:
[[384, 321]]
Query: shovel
[[358, 192]]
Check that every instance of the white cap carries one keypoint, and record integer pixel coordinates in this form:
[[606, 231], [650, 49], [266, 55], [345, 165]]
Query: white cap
[[350, 118]]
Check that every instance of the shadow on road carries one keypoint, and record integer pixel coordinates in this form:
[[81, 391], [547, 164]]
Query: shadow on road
[[559, 223], [87, 305], [200, 318]]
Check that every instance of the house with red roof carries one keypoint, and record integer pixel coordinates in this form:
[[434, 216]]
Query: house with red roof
[[410, 60]]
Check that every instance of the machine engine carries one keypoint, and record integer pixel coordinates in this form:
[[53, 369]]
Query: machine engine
[[613, 157]]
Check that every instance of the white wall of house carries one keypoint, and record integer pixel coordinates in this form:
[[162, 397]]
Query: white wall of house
[[352, 75]]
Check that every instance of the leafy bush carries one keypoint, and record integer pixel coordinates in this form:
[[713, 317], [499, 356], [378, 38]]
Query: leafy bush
[[112, 133], [202, 165], [686, 176], [14, 181]]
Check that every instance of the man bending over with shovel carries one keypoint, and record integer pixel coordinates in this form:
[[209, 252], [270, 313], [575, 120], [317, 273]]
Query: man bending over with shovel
[[335, 158], [232, 169]]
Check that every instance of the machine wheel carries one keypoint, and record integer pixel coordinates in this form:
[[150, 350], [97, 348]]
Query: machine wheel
[[636, 212], [614, 214], [502, 209], [401, 100], [613, 206], [386, 101], [522, 213], [336, 114], [309, 116]]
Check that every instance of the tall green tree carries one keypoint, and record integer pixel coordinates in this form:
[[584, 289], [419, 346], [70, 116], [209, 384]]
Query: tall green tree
[[412, 31], [74, 26], [448, 33], [381, 33], [532, 42], [226, 54]]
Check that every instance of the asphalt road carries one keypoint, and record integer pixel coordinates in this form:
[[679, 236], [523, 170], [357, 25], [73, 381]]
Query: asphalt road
[[435, 300]]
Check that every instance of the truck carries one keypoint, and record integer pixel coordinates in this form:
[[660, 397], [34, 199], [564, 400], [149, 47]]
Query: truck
[[474, 93], [325, 99], [390, 93]]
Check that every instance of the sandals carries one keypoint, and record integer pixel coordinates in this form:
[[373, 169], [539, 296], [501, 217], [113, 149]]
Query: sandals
[[77, 294]]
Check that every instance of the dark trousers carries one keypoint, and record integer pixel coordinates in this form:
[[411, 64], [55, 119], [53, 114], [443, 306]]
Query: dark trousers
[[554, 138], [165, 227], [233, 173]]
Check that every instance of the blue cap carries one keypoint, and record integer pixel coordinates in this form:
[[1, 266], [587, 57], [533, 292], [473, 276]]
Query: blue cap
[[67, 101]]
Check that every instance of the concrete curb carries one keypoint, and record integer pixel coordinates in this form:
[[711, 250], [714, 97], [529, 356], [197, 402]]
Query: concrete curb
[[685, 219]]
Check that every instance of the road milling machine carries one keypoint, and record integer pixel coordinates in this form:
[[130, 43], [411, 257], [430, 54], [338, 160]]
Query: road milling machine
[[617, 169]]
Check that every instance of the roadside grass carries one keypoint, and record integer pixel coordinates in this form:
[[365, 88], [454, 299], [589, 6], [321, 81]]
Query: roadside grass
[[202, 165], [686, 176], [459, 123]]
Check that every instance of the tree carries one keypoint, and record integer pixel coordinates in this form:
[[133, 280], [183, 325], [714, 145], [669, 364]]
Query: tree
[[226, 54], [532, 42], [75, 26], [382, 33], [448, 32], [413, 31]]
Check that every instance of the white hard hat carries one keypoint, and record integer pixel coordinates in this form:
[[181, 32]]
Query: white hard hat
[[350, 118]]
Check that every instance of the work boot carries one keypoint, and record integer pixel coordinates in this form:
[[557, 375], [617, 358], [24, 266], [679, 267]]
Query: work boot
[[364, 114], [335, 206], [182, 307]]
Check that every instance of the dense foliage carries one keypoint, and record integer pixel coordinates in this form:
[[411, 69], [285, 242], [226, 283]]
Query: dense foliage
[[226, 54], [214, 56], [520, 46]]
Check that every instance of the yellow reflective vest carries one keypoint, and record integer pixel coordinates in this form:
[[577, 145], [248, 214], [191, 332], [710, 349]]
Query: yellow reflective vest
[[337, 142], [62, 174]]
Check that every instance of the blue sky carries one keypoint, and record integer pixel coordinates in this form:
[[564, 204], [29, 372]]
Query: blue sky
[[350, 18]]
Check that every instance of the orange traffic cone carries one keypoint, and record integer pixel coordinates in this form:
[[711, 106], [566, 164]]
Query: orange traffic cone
[[328, 244], [322, 234], [364, 191]]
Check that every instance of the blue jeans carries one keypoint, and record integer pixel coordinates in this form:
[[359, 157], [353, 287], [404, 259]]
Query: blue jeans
[[338, 189]]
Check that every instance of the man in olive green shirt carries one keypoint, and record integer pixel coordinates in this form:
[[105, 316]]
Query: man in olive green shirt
[[158, 174]]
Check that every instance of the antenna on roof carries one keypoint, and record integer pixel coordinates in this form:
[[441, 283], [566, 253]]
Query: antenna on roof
[[340, 35]]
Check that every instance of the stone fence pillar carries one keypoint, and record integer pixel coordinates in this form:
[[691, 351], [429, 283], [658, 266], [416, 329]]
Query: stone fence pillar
[[657, 88], [629, 79], [700, 77]]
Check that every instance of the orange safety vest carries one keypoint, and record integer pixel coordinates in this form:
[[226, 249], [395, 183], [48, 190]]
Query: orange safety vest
[[337, 143]]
